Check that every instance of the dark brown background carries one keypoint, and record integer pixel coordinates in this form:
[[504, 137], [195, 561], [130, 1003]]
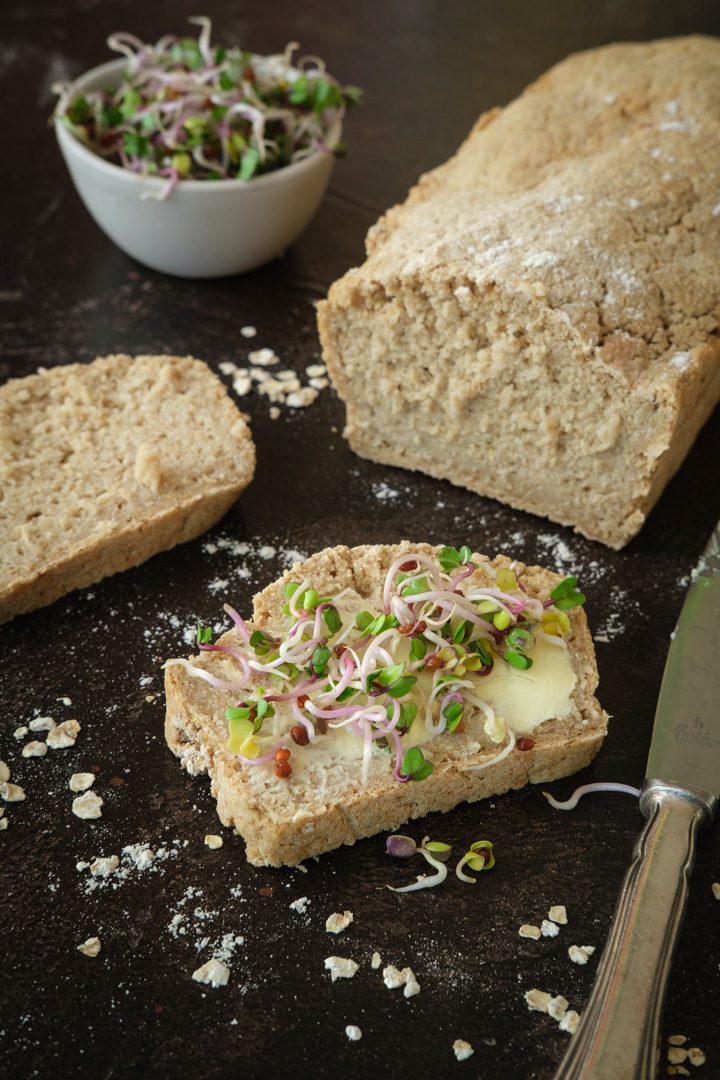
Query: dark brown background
[[67, 294]]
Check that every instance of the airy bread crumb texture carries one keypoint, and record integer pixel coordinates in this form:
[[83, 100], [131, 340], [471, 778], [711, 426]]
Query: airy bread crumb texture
[[104, 464], [284, 821], [538, 322]]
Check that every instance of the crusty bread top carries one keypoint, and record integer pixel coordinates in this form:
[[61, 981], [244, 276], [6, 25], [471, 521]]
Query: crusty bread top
[[326, 780], [595, 194], [87, 449]]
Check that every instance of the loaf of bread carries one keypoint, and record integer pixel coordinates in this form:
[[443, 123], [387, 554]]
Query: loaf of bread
[[326, 801], [104, 464], [538, 322]]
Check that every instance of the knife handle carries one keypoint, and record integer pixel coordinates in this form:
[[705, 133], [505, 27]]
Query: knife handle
[[617, 1038]]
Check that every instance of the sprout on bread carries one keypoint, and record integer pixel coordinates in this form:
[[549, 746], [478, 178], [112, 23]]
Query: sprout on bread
[[392, 679]]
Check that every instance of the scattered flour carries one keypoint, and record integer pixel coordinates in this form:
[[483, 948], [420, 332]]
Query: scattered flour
[[384, 493]]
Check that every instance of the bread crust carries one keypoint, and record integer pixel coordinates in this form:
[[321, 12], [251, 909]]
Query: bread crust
[[143, 502], [563, 265], [310, 822]]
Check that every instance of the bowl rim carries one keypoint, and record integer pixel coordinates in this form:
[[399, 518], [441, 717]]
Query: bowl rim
[[67, 139]]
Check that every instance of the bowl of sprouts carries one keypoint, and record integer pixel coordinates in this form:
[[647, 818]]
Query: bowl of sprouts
[[198, 160]]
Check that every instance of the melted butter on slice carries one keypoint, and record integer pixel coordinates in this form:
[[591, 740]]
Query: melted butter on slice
[[526, 698]]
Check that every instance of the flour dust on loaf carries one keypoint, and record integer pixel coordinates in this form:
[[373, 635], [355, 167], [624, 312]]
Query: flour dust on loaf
[[376, 684], [104, 464], [538, 321]]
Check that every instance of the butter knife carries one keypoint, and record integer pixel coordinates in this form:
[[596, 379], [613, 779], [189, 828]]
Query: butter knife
[[618, 1035]]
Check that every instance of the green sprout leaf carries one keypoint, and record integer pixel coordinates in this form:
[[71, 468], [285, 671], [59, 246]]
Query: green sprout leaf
[[250, 162], [414, 764], [262, 643], [481, 649], [517, 660], [462, 632], [204, 634], [418, 648], [79, 111], [413, 588], [520, 638], [382, 623], [290, 589], [388, 675], [438, 850], [453, 715], [363, 620], [402, 687], [331, 618], [479, 857], [451, 558], [135, 145], [408, 712], [565, 596], [320, 660]]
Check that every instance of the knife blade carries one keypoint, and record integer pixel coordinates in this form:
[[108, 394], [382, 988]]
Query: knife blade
[[617, 1037], [685, 745]]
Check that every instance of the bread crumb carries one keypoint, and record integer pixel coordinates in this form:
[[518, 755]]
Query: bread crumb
[[20, 732], [42, 723], [300, 905], [91, 947], [716, 889], [696, 1056], [274, 412], [213, 841], [103, 867], [462, 1049], [12, 793], [4, 773], [248, 331], [34, 749], [538, 1000], [263, 357], [676, 1055], [87, 806], [340, 967], [549, 929], [353, 1032], [394, 978], [319, 382], [376, 961], [214, 973], [300, 399], [579, 954], [558, 914], [557, 1007], [63, 735], [3, 821], [315, 371], [529, 931], [336, 922], [570, 1021], [677, 1040], [81, 781]]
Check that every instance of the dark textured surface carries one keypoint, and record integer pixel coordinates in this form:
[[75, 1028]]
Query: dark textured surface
[[67, 294]]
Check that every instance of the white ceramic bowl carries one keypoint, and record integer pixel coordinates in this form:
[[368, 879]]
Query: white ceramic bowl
[[205, 228]]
